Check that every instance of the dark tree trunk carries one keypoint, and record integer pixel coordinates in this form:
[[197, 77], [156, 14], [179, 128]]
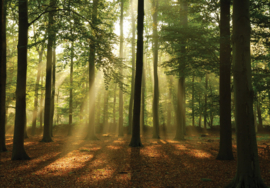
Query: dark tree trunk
[[48, 93], [180, 110], [34, 120], [18, 152], [131, 102], [121, 132], [143, 100], [53, 88], [91, 135], [3, 77], [225, 144], [260, 126], [136, 139], [248, 169], [155, 65], [70, 90], [193, 115], [205, 102]]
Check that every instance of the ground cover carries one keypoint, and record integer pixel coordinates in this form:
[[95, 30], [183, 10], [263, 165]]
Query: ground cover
[[110, 162]]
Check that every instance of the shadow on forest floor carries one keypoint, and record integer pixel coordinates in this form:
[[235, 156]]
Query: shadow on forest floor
[[110, 162]]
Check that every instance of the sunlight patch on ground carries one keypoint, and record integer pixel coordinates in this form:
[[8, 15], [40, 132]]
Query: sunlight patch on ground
[[199, 153], [180, 147], [120, 141], [114, 147], [150, 151], [163, 141], [172, 141]]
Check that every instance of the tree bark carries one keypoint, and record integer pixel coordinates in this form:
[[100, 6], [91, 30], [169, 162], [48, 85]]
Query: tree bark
[[260, 126], [192, 101], [136, 139], [205, 102], [18, 152], [155, 68], [225, 143], [121, 132], [91, 127], [41, 105], [70, 90], [248, 169], [48, 92], [53, 89], [3, 77]]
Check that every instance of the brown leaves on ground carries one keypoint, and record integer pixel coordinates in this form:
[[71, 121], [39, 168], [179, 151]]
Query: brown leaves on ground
[[109, 162]]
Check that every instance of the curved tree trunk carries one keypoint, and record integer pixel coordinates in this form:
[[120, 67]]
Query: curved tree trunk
[[3, 77], [248, 169], [18, 152], [136, 139]]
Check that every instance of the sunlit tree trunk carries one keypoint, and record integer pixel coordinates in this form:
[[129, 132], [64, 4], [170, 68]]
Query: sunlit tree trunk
[[25, 127], [155, 106], [120, 131], [33, 130], [3, 76], [105, 112], [18, 152], [70, 90], [114, 103], [48, 92], [41, 104], [91, 127], [248, 169], [53, 89], [136, 139]]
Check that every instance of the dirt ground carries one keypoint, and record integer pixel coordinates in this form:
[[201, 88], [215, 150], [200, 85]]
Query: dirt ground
[[110, 162]]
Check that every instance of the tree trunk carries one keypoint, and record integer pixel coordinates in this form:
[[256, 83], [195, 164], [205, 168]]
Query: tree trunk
[[70, 91], [121, 132], [205, 102], [225, 143], [48, 92], [114, 102], [18, 152], [192, 102], [155, 65], [260, 126], [3, 77], [143, 101], [136, 139], [41, 105], [248, 169], [91, 127], [53, 89], [33, 130], [105, 113]]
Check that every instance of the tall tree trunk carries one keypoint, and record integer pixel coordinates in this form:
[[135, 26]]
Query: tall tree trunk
[[121, 132], [105, 112], [114, 103], [18, 152], [53, 88], [143, 101], [248, 169], [33, 130], [136, 139], [48, 93], [25, 127], [192, 101], [155, 65], [131, 101], [205, 102], [3, 77], [91, 127], [41, 104], [181, 81], [70, 91], [225, 143]]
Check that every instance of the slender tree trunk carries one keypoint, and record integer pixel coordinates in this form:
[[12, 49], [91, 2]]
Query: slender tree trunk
[[48, 93], [248, 169], [53, 89], [260, 126], [136, 139], [143, 101], [205, 102], [155, 65], [131, 102], [114, 102], [70, 91], [33, 131], [3, 77], [91, 127], [18, 152], [225, 144], [192, 101], [41, 105], [105, 112], [120, 131]]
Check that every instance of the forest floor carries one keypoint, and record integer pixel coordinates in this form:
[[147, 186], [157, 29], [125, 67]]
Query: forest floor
[[110, 162]]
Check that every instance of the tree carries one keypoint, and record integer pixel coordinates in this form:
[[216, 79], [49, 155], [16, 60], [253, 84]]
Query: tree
[[120, 131], [48, 93], [18, 152], [136, 139], [3, 76], [225, 144], [248, 169], [91, 127], [155, 65]]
